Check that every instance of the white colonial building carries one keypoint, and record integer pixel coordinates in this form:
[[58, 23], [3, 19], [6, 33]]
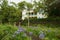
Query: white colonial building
[[38, 15]]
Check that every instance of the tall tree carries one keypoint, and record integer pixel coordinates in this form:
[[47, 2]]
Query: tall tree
[[38, 5], [29, 6], [9, 13], [4, 9], [53, 8], [21, 7]]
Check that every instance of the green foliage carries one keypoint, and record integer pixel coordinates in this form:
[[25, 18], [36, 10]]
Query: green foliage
[[53, 8], [9, 13], [29, 6], [13, 13], [21, 5], [50, 33], [7, 32]]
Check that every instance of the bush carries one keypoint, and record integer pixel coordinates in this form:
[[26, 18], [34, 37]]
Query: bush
[[6, 31]]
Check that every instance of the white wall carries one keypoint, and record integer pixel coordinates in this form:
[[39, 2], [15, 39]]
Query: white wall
[[38, 15]]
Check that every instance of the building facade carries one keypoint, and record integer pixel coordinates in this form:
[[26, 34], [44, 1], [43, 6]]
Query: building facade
[[38, 15]]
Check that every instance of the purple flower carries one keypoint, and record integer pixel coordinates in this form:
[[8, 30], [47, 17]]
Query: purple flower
[[49, 30], [20, 30], [17, 32], [41, 35], [30, 33]]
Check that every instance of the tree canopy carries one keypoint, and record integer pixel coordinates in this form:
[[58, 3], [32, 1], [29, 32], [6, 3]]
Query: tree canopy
[[12, 13]]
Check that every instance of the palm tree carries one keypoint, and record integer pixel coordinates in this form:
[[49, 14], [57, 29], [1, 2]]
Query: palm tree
[[29, 7]]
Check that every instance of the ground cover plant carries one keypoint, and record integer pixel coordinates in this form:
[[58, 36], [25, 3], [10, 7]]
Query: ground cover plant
[[10, 32]]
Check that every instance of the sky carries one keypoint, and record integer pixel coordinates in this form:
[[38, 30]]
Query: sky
[[16, 1]]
